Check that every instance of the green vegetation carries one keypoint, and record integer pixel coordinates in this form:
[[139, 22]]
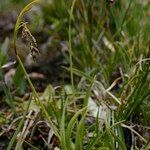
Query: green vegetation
[[105, 48]]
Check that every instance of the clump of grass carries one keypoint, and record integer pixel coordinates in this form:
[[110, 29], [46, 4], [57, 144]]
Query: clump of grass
[[111, 60]]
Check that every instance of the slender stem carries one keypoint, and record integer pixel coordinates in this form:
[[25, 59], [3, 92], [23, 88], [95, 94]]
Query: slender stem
[[70, 48], [38, 99]]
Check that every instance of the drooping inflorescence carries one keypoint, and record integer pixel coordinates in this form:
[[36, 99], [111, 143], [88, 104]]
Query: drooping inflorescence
[[26, 34]]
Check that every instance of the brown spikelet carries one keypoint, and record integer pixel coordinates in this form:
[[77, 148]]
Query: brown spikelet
[[34, 51], [26, 34]]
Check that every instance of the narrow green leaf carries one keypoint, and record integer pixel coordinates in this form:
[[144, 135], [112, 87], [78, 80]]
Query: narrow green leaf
[[80, 133], [62, 127], [71, 125], [121, 143]]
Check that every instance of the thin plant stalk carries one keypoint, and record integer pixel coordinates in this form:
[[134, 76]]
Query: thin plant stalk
[[17, 26], [70, 47]]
